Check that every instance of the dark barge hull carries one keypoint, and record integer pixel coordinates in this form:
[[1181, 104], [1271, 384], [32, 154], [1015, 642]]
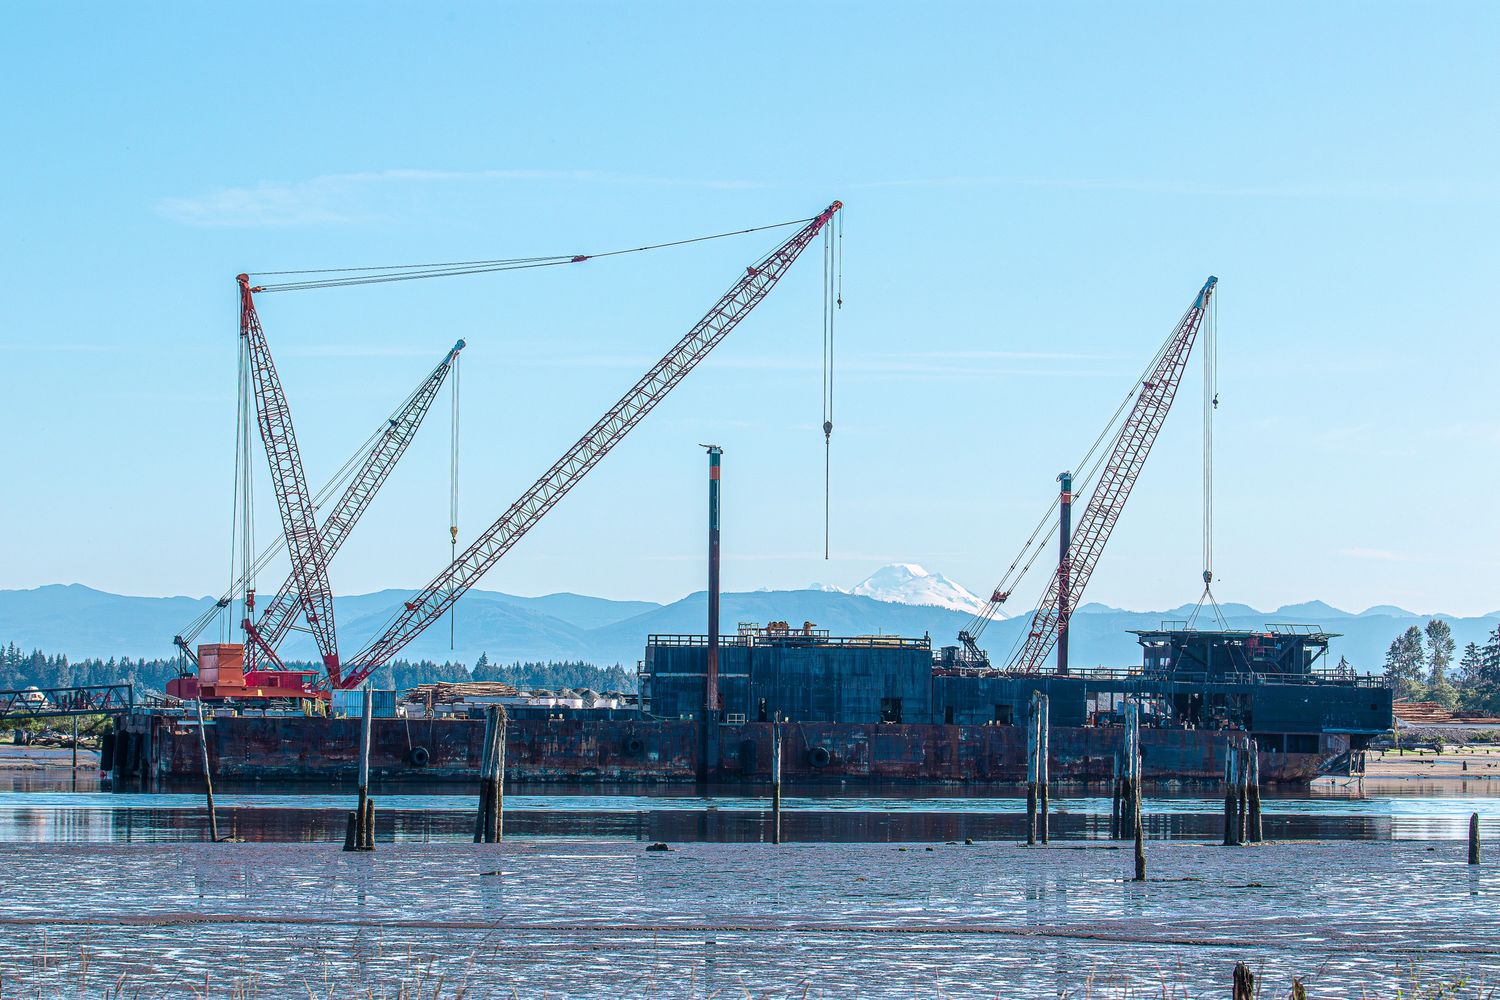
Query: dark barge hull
[[163, 747]]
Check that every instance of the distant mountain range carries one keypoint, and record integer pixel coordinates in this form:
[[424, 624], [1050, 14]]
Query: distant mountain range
[[900, 599]]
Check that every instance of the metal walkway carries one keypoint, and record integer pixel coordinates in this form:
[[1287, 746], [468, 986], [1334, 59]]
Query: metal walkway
[[49, 703]]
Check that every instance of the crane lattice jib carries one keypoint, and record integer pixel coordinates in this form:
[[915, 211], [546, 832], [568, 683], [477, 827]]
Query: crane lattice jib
[[298, 515], [466, 570], [1107, 501], [281, 613]]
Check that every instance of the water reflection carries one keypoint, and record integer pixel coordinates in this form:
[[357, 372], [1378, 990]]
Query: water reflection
[[56, 806]]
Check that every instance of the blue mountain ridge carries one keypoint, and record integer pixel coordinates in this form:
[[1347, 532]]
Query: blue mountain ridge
[[83, 622]]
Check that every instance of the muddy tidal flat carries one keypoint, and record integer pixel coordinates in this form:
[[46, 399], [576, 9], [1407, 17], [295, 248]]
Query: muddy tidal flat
[[581, 918]]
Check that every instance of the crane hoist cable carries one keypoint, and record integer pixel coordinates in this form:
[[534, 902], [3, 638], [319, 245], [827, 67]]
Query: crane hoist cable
[[833, 300], [1090, 464], [337, 277], [1127, 457], [1210, 408]]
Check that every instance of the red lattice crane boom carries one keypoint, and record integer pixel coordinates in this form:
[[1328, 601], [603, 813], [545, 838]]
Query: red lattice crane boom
[[1112, 489], [281, 613], [293, 501], [466, 570]]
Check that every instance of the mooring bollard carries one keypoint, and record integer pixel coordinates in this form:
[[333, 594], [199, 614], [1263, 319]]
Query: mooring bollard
[[1031, 769], [776, 782], [1244, 982], [208, 780], [1257, 829], [1473, 838], [363, 817], [1044, 777]]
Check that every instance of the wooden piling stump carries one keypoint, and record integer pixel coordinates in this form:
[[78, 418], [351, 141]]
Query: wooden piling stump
[[1244, 982], [1473, 838], [1044, 748], [208, 780], [363, 812], [1114, 802], [776, 783], [1231, 825], [1031, 770], [1257, 829], [486, 753]]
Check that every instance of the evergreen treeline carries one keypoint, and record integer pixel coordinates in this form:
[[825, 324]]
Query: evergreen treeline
[[20, 669], [1420, 667], [37, 669], [552, 676]]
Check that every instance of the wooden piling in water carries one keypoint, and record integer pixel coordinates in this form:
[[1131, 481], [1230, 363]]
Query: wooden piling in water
[[1473, 838], [363, 817], [1044, 749], [497, 798], [489, 823], [75, 744], [1114, 802], [1257, 829], [1231, 825], [208, 779], [776, 783], [1031, 769], [486, 752], [1243, 793], [1132, 804], [1244, 982]]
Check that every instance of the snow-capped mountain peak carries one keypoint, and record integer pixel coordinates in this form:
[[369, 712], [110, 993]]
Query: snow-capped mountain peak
[[908, 583]]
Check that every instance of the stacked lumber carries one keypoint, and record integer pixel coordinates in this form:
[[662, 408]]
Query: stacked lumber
[[1430, 713], [454, 692]]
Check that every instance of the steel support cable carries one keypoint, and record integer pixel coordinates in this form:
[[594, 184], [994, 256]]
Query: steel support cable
[[1033, 545], [1036, 543], [1127, 457], [407, 272], [364, 483], [340, 478], [732, 307]]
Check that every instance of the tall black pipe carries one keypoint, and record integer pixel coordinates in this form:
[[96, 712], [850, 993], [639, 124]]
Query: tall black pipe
[[711, 687], [1064, 569]]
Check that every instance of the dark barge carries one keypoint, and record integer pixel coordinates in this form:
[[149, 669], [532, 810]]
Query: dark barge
[[853, 709]]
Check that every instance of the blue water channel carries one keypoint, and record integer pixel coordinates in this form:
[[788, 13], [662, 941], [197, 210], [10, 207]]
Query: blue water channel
[[52, 805]]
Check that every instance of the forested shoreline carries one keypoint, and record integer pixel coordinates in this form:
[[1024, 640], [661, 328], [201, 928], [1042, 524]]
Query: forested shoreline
[[21, 669]]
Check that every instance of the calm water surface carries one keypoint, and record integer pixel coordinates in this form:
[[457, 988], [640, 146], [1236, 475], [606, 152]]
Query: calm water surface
[[53, 805]]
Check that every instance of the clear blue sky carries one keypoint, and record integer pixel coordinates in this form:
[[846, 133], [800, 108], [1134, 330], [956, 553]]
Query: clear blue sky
[[1034, 194]]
